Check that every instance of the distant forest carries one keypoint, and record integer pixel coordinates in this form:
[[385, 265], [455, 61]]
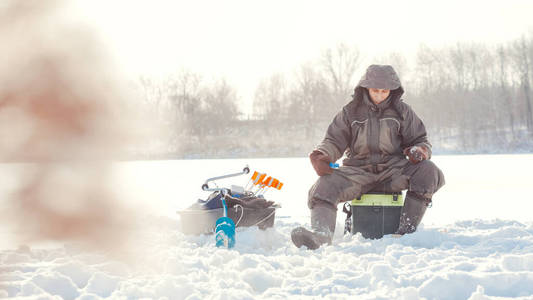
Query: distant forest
[[473, 98]]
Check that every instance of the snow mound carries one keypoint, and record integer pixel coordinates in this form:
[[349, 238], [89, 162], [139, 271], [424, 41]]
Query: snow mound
[[473, 260]]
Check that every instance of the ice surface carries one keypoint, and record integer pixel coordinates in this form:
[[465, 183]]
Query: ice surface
[[435, 263]]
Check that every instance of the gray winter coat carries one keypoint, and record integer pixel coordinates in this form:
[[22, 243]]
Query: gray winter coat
[[372, 136]]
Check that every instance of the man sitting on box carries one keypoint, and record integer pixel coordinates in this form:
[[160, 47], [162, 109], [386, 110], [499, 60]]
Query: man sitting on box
[[386, 147]]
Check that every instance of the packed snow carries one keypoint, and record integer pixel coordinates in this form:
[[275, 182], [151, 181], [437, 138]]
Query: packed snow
[[476, 242]]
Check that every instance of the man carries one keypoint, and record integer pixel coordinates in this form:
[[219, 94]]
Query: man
[[376, 131]]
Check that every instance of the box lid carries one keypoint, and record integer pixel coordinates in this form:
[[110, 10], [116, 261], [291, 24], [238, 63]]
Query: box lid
[[379, 200]]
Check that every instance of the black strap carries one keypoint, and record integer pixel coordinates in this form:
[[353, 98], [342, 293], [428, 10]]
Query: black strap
[[347, 209]]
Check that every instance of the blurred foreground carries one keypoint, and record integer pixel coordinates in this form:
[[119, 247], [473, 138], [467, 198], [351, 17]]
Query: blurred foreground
[[64, 109]]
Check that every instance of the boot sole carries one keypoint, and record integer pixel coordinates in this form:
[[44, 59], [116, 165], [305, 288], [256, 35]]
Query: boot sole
[[303, 237]]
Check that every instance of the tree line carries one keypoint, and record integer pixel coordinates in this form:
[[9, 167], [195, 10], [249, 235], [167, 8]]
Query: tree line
[[473, 98]]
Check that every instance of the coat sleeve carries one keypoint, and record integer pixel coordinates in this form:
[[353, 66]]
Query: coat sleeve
[[337, 137], [413, 131]]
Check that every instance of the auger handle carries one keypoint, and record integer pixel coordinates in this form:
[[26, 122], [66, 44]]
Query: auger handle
[[205, 186]]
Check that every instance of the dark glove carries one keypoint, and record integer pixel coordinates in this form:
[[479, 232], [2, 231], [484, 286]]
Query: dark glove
[[416, 154], [320, 162]]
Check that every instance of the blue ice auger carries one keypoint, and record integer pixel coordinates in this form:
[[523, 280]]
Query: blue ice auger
[[225, 229], [224, 226]]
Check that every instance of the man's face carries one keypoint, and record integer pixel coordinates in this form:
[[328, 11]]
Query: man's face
[[378, 95]]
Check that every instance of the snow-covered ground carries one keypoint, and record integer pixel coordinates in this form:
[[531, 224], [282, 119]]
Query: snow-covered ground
[[475, 243]]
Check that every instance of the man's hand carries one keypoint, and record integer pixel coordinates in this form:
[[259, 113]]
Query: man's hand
[[320, 162], [416, 154]]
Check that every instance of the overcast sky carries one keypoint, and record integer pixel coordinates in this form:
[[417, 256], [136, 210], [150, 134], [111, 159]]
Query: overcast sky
[[247, 40]]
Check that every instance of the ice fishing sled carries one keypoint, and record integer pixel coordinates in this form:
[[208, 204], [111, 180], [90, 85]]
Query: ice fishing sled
[[245, 206]]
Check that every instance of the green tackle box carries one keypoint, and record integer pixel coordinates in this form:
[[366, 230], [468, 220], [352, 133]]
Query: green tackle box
[[376, 214]]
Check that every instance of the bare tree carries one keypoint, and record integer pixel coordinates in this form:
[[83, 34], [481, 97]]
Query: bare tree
[[426, 61], [340, 65], [503, 80], [430, 91], [309, 98], [220, 104], [152, 91], [270, 102], [183, 93], [522, 64], [458, 64]]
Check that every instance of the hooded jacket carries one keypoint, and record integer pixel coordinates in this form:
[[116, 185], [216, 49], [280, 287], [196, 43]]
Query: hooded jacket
[[373, 136]]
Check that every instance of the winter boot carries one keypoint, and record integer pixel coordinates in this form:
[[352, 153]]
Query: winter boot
[[323, 220], [412, 212]]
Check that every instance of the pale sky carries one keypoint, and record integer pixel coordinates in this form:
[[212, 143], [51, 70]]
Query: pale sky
[[246, 40]]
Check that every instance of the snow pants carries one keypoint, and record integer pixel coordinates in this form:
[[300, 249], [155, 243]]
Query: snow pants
[[348, 183]]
